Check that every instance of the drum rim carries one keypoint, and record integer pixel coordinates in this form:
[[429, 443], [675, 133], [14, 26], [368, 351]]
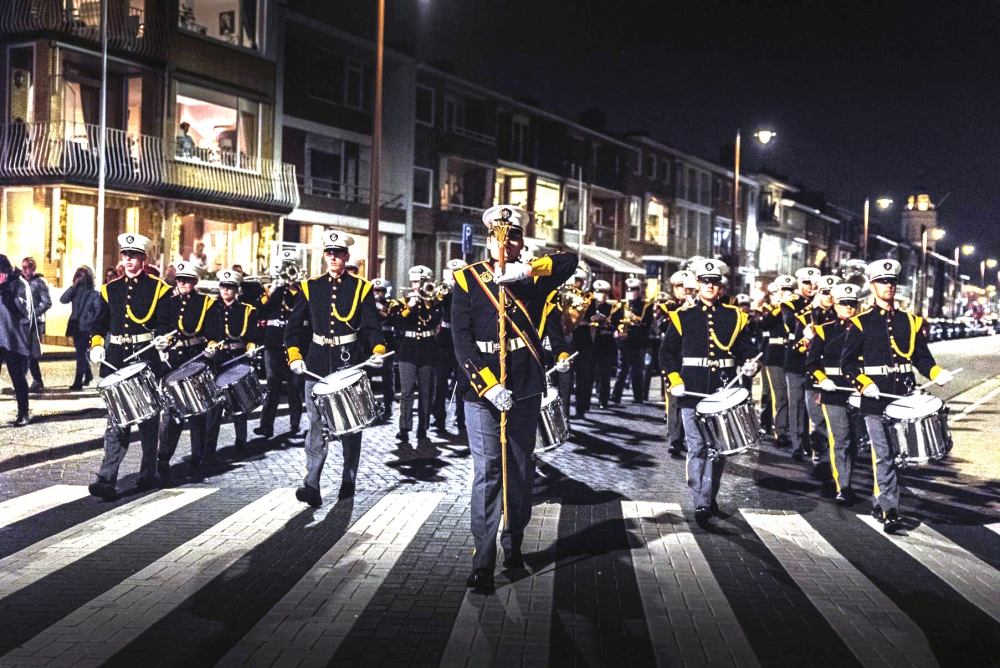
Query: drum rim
[[911, 418], [732, 392], [191, 368], [247, 368], [119, 375], [344, 373]]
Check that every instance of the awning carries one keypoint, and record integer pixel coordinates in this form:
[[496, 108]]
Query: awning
[[610, 259], [661, 258]]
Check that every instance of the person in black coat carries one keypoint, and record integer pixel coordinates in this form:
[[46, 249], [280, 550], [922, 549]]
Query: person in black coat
[[86, 303], [14, 346]]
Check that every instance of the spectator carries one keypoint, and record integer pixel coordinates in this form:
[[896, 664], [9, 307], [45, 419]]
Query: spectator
[[198, 257], [41, 301], [185, 144], [86, 303], [14, 349]]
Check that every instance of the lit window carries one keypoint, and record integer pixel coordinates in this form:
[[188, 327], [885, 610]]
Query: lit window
[[423, 186], [231, 21], [216, 127], [657, 217]]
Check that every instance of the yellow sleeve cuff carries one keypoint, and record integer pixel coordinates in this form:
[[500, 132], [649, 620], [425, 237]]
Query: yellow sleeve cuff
[[563, 356], [863, 381], [541, 266], [251, 346], [935, 370], [405, 312], [675, 379], [486, 374], [819, 376], [378, 350], [294, 354], [96, 340]]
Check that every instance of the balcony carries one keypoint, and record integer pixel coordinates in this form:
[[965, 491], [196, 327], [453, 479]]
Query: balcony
[[348, 199], [129, 28], [39, 153], [467, 143]]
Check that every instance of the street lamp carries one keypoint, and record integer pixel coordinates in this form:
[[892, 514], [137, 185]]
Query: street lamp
[[935, 234], [764, 137], [373, 192], [883, 203], [966, 250], [990, 263]]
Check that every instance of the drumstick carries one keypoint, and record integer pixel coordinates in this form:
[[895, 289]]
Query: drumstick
[[144, 349], [242, 356], [350, 368], [851, 389], [109, 365], [740, 374], [695, 394], [567, 359], [934, 382]]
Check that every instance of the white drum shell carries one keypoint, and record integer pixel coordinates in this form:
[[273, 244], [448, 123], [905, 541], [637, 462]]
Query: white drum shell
[[728, 422], [241, 391], [131, 395], [552, 428], [193, 393], [345, 402]]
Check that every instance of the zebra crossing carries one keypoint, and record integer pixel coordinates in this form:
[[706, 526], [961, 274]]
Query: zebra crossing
[[689, 619]]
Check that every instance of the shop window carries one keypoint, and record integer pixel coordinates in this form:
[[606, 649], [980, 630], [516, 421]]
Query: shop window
[[23, 226], [232, 21], [423, 186], [217, 127], [425, 105], [81, 236], [214, 245]]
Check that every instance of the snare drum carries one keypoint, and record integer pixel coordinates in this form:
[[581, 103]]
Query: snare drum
[[190, 390], [552, 428], [131, 395], [345, 401], [917, 427], [728, 421], [240, 389]]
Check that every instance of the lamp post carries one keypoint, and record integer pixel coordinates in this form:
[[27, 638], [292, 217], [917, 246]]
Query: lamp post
[[764, 137], [987, 263], [966, 250], [883, 204], [935, 234], [373, 192]]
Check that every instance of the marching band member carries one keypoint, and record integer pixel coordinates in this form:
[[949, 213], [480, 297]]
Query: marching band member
[[417, 322], [582, 336], [556, 347], [795, 310], [684, 285], [340, 310], [475, 317], [823, 365], [633, 338], [240, 335], [822, 312], [774, 360], [758, 320], [447, 368], [602, 318], [196, 319], [879, 354], [125, 323], [700, 350], [387, 309], [275, 312]]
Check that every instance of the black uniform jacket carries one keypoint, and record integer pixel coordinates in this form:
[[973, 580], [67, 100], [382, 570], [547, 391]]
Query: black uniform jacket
[[446, 345], [554, 340], [882, 347], [475, 324], [335, 308], [823, 359], [792, 312], [274, 312], [702, 347], [387, 310], [772, 336], [417, 327], [798, 344], [601, 320], [196, 317], [240, 329], [637, 320], [129, 309]]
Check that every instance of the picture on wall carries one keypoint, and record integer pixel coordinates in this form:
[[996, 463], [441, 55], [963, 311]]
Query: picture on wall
[[227, 23]]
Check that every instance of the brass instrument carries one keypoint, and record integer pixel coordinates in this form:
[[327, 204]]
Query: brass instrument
[[288, 272], [629, 319], [574, 303], [426, 290]]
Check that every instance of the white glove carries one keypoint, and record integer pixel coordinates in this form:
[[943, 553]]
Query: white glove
[[412, 301], [513, 271], [164, 356], [871, 392], [808, 333], [253, 350], [944, 377], [210, 351], [298, 367], [97, 354], [161, 342], [677, 390], [750, 368], [827, 385], [562, 366], [375, 361], [500, 397]]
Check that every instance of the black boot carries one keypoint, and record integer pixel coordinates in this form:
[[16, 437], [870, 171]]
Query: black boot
[[310, 495], [893, 524], [22, 420], [102, 488]]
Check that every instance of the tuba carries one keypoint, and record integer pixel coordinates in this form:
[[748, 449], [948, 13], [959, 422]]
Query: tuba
[[574, 303]]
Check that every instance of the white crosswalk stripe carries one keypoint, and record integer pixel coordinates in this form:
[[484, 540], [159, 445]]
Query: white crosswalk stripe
[[995, 528], [312, 620], [689, 619], [48, 556], [878, 632], [518, 615], [105, 625], [23, 507], [973, 578]]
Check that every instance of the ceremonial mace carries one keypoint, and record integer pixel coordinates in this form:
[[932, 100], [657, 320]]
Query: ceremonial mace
[[501, 231]]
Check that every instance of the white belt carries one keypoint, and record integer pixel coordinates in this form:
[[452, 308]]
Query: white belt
[[274, 323], [776, 340], [704, 361], [833, 371], [886, 370], [122, 339], [334, 340], [445, 325], [188, 342], [410, 334], [493, 346]]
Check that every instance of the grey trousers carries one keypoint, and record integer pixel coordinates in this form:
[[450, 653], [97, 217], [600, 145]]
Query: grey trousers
[[116, 445], [170, 434], [841, 451], [775, 376], [317, 449], [819, 434], [798, 417], [703, 475], [483, 423], [884, 464], [411, 377], [675, 430]]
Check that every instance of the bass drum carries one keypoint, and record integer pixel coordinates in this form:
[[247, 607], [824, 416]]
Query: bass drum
[[917, 428], [190, 390], [240, 389], [345, 401], [552, 428], [131, 394], [728, 421]]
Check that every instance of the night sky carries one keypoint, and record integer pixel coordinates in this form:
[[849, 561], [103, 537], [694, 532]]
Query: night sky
[[867, 98]]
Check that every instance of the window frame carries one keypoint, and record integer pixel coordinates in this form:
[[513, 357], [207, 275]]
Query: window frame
[[259, 37], [650, 169], [430, 186], [433, 106]]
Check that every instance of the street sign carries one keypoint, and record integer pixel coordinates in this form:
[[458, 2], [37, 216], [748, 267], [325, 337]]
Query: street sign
[[466, 239]]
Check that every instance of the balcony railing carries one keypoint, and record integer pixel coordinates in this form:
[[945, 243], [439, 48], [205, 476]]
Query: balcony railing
[[470, 134], [68, 152], [128, 27], [347, 192]]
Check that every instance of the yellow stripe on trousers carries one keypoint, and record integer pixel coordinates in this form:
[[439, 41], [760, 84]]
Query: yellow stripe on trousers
[[833, 458]]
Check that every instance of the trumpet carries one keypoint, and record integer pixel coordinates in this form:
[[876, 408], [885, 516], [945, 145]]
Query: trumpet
[[426, 290], [289, 272]]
